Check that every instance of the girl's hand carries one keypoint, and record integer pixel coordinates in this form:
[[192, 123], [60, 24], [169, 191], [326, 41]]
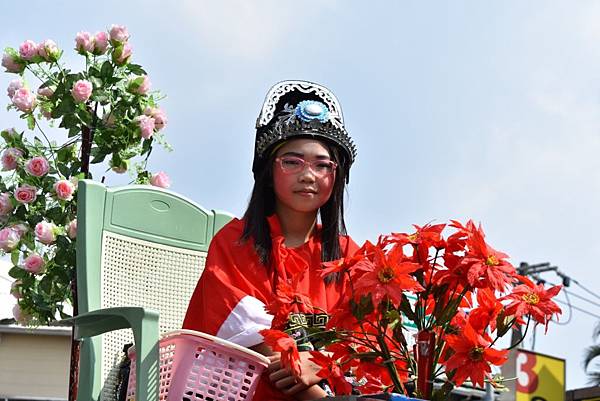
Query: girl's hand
[[283, 379]]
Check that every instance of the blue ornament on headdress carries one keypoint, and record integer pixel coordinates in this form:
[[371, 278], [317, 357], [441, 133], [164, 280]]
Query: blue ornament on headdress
[[309, 110]]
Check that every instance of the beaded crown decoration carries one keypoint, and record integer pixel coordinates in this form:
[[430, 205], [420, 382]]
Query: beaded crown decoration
[[300, 109]]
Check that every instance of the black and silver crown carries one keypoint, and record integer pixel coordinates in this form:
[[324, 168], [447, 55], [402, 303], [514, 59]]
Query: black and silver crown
[[300, 109]]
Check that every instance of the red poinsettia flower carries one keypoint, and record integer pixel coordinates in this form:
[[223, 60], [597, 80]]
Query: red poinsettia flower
[[387, 277], [485, 267], [288, 299], [333, 372], [488, 309], [286, 345], [534, 300], [472, 356]]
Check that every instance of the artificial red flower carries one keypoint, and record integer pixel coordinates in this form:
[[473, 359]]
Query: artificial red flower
[[286, 345], [534, 300], [288, 299], [388, 277], [333, 372], [485, 266], [472, 356], [488, 309]]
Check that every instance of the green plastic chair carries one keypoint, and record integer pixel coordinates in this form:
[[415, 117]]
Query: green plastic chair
[[140, 253]]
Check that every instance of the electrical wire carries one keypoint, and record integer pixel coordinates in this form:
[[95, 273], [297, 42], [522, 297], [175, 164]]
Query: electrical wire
[[585, 289], [579, 309]]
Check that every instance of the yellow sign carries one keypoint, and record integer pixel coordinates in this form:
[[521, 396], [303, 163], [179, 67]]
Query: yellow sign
[[539, 377]]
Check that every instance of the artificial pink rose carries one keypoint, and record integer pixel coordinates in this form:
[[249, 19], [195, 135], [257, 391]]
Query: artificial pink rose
[[100, 42], [160, 179], [34, 263], [9, 239], [48, 50], [14, 86], [64, 189], [159, 115], [37, 166], [10, 158], [25, 193], [72, 229], [15, 289], [11, 64], [44, 232], [141, 88], [84, 42], [121, 54], [45, 91], [21, 316], [24, 100], [6, 206], [146, 125], [28, 50], [82, 90], [118, 34]]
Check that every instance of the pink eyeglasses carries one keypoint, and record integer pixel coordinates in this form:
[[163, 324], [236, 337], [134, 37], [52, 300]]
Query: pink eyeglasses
[[294, 165]]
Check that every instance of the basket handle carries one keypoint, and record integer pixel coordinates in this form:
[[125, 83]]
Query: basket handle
[[220, 341]]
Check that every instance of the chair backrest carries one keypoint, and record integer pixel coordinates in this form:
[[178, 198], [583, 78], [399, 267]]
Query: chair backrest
[[138, 246]]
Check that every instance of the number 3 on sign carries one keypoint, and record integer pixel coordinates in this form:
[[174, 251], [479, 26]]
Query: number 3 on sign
[[527, 379]]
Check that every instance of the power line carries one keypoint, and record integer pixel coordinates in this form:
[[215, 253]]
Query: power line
[[579, 309], [572, 293], [585, 289]]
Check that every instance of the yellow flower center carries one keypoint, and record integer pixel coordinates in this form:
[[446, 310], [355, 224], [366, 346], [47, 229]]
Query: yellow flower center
[[476, 354], [413, 237], [491, 260], [531, 298], [386, 274]]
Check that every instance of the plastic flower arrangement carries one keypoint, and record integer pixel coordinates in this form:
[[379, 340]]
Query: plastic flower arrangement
[[459, 293], [108, 114]]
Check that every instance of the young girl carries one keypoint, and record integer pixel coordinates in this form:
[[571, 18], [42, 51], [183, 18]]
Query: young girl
[[301, 164]]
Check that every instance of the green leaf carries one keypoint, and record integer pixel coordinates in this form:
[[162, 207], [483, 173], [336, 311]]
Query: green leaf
[[107, 70], [30, 122], [85, 116], [97, 82], [17, 273], [136, 69], [14, 256]]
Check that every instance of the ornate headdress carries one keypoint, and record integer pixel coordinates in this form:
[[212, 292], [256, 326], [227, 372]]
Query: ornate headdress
[[301, 109]]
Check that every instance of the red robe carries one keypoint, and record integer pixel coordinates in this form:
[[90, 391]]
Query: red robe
[[230, 296]]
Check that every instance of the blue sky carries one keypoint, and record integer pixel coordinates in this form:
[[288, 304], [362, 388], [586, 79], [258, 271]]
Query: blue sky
[[463, 109]]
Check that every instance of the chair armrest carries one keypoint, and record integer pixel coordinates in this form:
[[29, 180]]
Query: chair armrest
[[143, 323]]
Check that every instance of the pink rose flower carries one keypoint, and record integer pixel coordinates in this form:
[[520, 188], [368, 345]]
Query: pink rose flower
[[82, 90], [84, 42], [11, 64], [14, 86], [9, 239], [38, 166], [64, 189], [118, 34], [100, 42], [15, 291], [122, 53], [45, 91], [10, 158], [6, 206], [28, 50], [72, 229], [44, 232], [160, 179], [25, 193], [34, 263], [24, 100], [48, 50], [159, 115], [146, 125], [20, 228], [140, 88]]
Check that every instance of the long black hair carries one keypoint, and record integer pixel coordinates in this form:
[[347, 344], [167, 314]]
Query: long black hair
[[262, 205]]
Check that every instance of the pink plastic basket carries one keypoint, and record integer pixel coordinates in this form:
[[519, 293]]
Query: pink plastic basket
[[196, 366]]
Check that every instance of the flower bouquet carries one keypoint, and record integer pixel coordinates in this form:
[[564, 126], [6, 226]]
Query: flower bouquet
[[458, 293], [107, 113]]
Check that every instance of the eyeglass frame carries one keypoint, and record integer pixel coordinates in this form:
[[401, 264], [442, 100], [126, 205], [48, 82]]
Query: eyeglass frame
[[311, 165]]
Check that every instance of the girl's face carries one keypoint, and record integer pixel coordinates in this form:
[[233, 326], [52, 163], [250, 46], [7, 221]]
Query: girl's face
[[303, 175]]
